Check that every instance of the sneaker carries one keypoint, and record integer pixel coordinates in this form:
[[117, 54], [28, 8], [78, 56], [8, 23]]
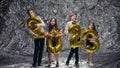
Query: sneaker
[[67, 64], [48, 66], [91, 64], [34, 65]]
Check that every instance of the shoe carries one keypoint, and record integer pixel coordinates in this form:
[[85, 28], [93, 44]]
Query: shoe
[[76, 65], [67, 64], [39, 64], [57, 65], [49, 65], [34, 65], [90, 63]]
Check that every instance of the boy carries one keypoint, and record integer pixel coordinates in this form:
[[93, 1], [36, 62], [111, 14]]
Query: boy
[[38, 41]]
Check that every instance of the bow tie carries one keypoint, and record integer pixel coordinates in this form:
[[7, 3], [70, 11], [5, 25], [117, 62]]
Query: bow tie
[[73, 22]]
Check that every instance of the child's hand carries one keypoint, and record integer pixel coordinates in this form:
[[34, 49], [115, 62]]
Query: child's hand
[[51, 35], [95, 37], [57, 36], [36, 35]]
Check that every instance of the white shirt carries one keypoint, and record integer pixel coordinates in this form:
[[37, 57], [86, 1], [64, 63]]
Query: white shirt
[[66, 29], [67, 26]]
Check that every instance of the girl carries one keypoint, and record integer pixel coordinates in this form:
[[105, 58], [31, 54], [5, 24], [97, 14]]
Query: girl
[[53, 26], [90, 54]]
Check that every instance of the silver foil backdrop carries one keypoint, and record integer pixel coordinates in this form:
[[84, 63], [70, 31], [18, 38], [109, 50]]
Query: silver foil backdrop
[[15, 43]]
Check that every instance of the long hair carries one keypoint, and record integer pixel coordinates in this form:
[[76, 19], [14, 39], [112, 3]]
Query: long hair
[[53, 26], [94, 28]]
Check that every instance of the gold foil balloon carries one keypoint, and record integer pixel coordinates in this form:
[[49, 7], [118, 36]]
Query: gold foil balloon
[[58, 42], [75, 31], [95, 43], [31, 23], [94, 48]]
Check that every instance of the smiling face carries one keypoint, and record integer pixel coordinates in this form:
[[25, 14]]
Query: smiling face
[[52, 22], [91, 26], [31, 13], [73, 18]]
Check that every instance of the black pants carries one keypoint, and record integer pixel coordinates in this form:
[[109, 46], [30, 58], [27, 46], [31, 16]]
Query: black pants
[[39, 47], [75, 50]]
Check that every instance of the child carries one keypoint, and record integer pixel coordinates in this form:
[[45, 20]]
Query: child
[[38, 41], [53, 26], [90, 54], [73, 50]]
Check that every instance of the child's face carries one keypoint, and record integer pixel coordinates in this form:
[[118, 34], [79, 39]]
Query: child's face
[[52, 22], [73, 18], [31, 13], [91, 26]]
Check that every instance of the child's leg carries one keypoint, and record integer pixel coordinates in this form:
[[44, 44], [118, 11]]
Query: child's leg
[[49, 58], [76, 56], [88, 57], [70, 56], [57, 60], [92, 57]]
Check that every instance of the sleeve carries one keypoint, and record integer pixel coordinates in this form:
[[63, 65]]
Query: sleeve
[[66, 28], [61, 34], [30, 32], [41, 24]]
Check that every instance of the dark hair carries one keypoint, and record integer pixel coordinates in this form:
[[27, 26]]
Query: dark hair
[[53, 26], [29, 10], [94, 28]]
